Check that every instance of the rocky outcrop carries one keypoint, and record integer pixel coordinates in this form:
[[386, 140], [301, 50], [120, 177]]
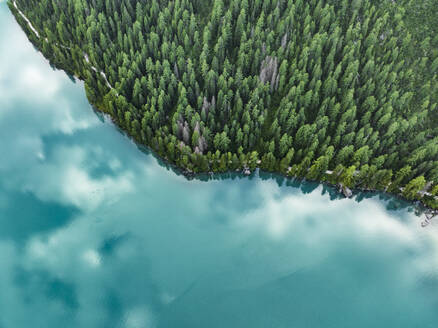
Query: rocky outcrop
[[246, 171], [345, 190]]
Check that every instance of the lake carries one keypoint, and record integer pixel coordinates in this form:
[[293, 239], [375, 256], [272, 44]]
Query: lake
[[96, 232]]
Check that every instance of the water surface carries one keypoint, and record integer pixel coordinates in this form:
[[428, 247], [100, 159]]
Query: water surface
[[96, 233]]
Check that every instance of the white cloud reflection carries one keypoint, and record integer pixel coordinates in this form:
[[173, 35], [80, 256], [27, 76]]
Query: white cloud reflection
[[38, 102], [139, 318], [282, 214], [20, 74], [92, 257]]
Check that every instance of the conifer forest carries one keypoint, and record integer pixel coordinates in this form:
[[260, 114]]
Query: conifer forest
[[328, 90]]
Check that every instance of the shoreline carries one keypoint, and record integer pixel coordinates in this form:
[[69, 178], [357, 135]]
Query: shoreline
[[246, 169], [423, 208]]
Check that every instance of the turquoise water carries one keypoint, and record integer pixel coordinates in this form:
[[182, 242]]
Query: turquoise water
[[95, 232]]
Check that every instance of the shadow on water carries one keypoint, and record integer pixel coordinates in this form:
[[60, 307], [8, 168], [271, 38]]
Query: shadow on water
[[24, 215], [47, 284], [111, 243]]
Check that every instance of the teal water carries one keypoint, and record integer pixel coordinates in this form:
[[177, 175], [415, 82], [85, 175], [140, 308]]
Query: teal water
[[95, 232]]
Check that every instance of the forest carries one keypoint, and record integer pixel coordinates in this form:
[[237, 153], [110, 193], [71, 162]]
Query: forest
[[329, 90]]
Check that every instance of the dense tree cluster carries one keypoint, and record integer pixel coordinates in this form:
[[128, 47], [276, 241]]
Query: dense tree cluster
[[337, 90]]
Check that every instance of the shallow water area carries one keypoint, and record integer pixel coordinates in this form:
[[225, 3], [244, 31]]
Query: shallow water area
[[97, 233]]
